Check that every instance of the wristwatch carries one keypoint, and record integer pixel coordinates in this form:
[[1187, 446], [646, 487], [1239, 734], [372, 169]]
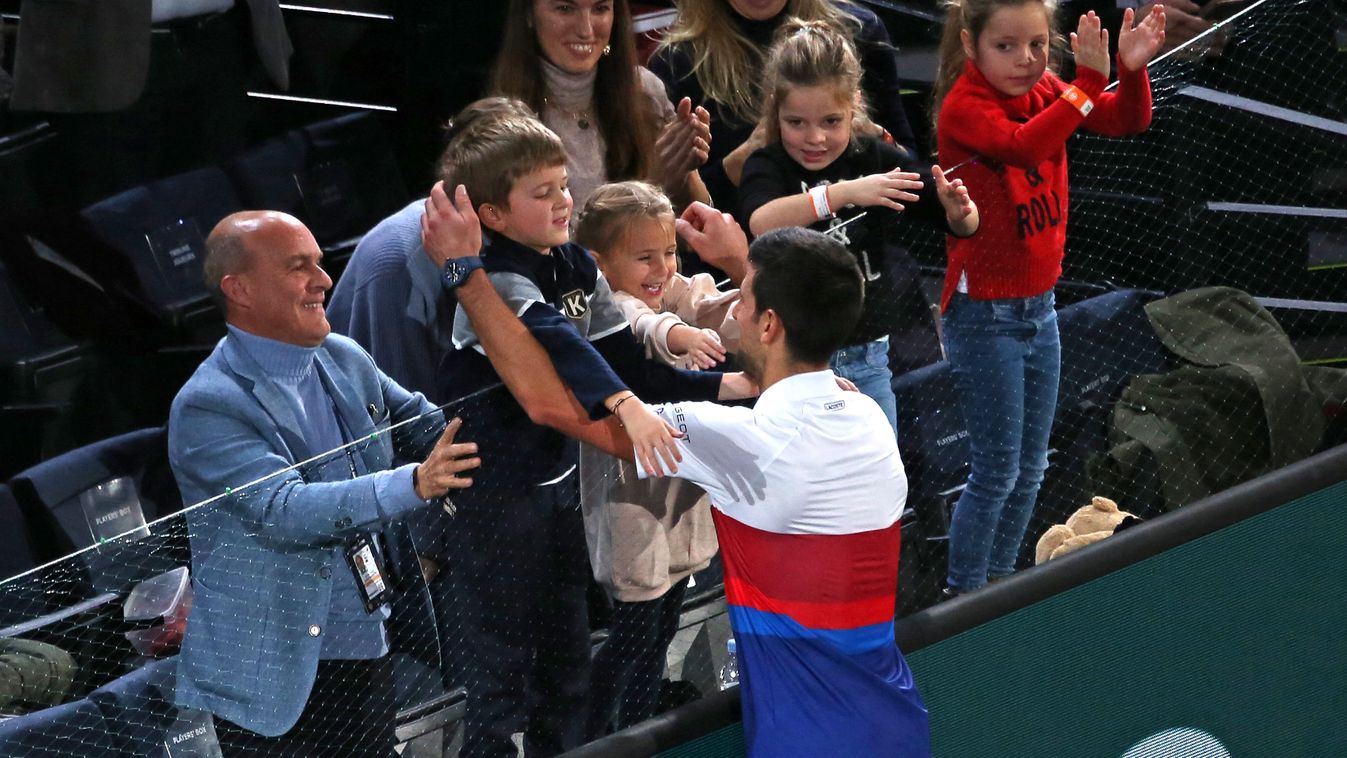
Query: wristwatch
[[456, 270]]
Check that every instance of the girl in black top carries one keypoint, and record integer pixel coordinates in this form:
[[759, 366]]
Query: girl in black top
[[715, 52], [817, 171]]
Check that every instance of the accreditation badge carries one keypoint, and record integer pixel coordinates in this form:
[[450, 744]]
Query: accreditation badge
[[367, 565]]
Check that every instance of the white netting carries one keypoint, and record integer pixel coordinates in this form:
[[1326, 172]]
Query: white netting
[[1241, 181]]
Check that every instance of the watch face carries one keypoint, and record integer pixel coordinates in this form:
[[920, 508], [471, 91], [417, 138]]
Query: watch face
[[456, 271]]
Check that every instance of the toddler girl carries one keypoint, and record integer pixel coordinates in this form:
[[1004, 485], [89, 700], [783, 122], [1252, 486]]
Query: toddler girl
[[645, 537]]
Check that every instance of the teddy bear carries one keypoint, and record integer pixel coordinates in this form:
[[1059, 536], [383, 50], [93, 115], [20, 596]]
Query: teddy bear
[[1086, 526]]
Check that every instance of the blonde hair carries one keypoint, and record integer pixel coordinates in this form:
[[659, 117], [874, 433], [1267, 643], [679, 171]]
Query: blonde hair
[[489, 157], [611, 209], [970, 16], [728, 64], [810, 54]]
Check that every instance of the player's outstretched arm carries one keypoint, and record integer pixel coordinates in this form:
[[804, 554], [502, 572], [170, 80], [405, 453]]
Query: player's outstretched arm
[[522, 363]]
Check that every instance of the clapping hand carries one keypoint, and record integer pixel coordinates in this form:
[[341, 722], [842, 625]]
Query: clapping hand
[[684, 144], [1185, 20], [1090, 44], [1138, 44]]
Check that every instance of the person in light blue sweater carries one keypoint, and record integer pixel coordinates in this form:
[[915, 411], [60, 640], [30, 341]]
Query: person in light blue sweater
[[390, 298]]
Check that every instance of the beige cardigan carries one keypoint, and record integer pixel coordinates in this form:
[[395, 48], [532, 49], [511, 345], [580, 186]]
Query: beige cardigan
[[644, 536]]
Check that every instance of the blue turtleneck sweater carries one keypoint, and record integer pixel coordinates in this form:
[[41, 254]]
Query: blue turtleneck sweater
[[351, 633]]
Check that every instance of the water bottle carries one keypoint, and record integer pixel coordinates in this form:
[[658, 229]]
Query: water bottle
[[729, 673]]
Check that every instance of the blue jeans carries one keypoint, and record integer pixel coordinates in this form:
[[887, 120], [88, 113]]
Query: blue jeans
[[1006, 358], [867, 365]]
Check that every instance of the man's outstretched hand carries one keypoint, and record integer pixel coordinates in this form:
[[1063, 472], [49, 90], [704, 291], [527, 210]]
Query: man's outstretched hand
[[440, 471], [716, 237], [449, 227], [652, 438]]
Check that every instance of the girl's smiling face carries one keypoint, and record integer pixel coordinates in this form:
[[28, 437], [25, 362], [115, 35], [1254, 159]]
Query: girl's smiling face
[[645, 261], [1012, 51], [815, 124]]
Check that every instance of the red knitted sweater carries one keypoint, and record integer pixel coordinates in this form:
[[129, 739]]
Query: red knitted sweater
[[1014, 155]]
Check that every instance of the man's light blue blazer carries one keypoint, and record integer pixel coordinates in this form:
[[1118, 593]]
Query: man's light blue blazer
[[262, 558]]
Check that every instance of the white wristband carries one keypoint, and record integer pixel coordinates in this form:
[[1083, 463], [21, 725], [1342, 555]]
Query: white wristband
[[818, 197]]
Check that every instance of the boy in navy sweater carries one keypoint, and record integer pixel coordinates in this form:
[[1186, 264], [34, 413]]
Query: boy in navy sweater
[[520, 564]]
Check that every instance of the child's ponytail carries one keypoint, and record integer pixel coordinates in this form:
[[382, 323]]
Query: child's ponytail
[[951, 56]]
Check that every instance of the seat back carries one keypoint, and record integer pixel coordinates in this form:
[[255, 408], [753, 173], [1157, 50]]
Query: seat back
[[933, 442], [40, 371], [76, 728], [352, 179], [138, 707], [160, 230], [340, 177], [97, 492], [16, 548]]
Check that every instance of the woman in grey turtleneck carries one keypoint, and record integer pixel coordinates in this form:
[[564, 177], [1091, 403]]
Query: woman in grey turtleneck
[[574, 63]]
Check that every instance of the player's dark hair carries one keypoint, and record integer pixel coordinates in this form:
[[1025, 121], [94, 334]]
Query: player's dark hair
[[814, 286]]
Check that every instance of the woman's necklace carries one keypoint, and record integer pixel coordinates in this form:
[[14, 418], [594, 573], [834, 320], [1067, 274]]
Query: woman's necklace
[[581, 117]]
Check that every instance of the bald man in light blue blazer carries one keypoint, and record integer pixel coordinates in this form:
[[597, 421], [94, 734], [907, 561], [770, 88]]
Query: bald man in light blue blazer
[[278, 610]]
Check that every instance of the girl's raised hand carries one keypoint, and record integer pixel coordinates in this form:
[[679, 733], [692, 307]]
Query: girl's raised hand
[[1137, 45], [958, 204], [704, 349], [886, 189], [1090, 44]]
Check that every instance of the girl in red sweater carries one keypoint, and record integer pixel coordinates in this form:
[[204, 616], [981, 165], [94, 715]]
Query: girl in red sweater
[[1003, 120]]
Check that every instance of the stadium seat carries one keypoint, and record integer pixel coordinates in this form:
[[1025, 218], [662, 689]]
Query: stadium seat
[[40, 371], [353, 179], [76, 728], [933, 442], [433, 728], [57, 484], [16, 548], [340, 177], [138, 707], [47, 599], [96, 492], [1106, 341], [160, 230], [266, 176]]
